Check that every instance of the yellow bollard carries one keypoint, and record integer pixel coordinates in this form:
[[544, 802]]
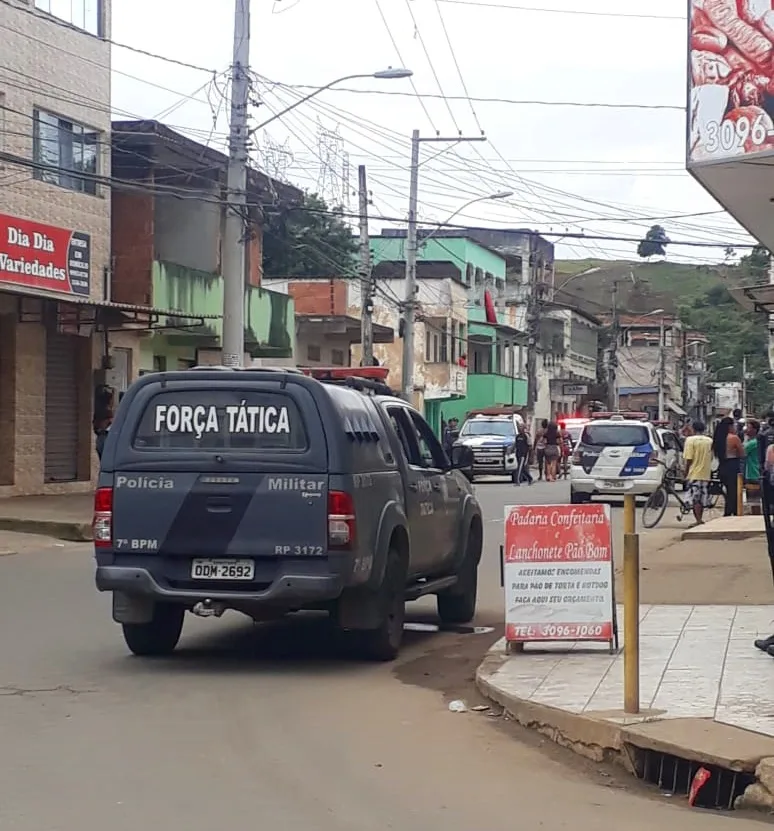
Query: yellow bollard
[[631, 591], [739, 494], [630, 514]]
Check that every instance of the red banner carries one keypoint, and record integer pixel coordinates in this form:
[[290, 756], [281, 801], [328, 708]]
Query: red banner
[[558, 568], [44, 257]]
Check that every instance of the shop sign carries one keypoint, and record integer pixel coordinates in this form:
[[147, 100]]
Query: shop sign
[[576, 389], [730, 79], [44, 257], [558, 573]]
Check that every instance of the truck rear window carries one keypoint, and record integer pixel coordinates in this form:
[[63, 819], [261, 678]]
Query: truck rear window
[[615, 435], [241, 420]]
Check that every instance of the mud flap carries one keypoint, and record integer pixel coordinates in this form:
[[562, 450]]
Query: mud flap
[[132, 609], [359, 609]]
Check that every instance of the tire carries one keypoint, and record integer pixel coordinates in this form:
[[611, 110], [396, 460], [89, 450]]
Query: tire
[[577, 498], [458, 604], [159, 636], [384, 642], [655, 507]]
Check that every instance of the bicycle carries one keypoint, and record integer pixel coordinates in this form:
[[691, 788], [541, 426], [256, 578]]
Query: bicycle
[[655, 508]]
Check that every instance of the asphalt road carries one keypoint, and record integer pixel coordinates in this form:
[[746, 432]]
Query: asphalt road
[[269, 726]]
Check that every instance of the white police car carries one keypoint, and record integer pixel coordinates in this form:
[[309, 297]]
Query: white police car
[[617, 454]]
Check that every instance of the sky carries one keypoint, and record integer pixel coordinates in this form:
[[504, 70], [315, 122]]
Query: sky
[[557, 137]]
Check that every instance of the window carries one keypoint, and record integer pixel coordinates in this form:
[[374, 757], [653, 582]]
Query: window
[[68, 149], [3, 124], [615, 435], [83, 14], [159, 363], [337, 357], [202, 419], [313, 353], [430, 451]]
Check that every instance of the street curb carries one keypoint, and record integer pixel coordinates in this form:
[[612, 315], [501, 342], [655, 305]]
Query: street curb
[[721, 536], [599, 741], [68, 531]]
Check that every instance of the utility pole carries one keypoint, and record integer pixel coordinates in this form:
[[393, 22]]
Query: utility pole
[[744, 385], [612, 361], [236, 230], [661, 371], [366, 278], [412, 247]]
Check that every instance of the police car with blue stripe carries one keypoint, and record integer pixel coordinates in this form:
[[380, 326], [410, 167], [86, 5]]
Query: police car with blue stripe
[[617, 454]]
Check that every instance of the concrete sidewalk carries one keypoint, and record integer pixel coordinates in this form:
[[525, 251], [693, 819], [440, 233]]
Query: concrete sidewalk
[[63, 516], [707, 695], [728, 528]]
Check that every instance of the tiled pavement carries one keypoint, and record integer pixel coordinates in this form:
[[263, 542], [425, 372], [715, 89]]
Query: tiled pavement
[[695, 662]]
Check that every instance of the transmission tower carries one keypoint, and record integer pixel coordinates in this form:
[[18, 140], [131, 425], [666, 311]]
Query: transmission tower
[[330, 181], [275, 158]]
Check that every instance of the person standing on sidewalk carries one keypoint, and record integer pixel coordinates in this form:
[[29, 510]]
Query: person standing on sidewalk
[[698, 460], [729, 452], [540, 448], [752, 464]]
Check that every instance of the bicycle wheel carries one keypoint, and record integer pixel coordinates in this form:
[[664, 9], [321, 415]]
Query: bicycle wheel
[[655, 507]]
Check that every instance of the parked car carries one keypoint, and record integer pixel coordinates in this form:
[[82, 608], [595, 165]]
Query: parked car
[[268, 492]]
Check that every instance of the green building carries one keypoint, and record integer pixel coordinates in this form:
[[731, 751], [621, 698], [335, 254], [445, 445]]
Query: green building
[[491, 351]]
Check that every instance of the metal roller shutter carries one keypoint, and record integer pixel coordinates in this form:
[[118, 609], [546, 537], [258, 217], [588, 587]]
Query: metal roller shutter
[[61, 459]]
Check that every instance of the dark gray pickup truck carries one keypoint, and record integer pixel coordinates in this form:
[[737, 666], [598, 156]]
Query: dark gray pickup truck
[[269, 492]]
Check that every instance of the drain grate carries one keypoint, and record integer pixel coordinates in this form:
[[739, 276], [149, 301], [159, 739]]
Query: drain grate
[[673, 775]]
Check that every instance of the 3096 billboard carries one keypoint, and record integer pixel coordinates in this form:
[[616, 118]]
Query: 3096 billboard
[[731, 79]]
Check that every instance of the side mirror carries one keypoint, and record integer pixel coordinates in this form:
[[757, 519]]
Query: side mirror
[[462, 458]]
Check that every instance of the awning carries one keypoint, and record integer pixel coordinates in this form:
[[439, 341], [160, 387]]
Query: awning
[[345, 325], [754, 298], [136, 311], [675, 408]]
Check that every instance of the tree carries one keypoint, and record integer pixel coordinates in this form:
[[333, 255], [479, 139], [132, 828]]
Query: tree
[[307, 241], [755, 265], [732, 333], [654, 244]]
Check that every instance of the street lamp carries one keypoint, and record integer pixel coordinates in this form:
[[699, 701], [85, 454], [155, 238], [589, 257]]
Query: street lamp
[[500, 194], [389, 74]]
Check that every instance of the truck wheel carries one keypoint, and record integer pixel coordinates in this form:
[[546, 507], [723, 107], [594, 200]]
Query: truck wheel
[[577, 498], [160, 635], [458, 604], [383, 643]]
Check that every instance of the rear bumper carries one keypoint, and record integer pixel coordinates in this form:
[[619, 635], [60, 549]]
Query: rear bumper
[[635, 485], [292, 588]]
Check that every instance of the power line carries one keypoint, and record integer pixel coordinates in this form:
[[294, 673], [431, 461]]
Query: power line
[[403, 63], [492, 5], [99, 65], [522, 183], [443, 95], [457, 65], [50, 18], [612, 105]]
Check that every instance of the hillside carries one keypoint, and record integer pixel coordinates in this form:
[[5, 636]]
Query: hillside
[[696, 293], [642, 286]]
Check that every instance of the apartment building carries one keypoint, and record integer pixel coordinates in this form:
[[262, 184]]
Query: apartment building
[[55, 243]]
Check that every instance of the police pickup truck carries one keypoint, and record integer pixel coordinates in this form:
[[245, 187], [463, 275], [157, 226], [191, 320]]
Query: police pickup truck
[[269, 491]]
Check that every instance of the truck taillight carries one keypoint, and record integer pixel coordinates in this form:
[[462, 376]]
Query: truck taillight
[[653, 459], [576, 457], [341, 520], [102, 524]]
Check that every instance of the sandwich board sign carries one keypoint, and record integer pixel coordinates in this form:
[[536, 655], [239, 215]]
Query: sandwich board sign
[[558, 574]]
